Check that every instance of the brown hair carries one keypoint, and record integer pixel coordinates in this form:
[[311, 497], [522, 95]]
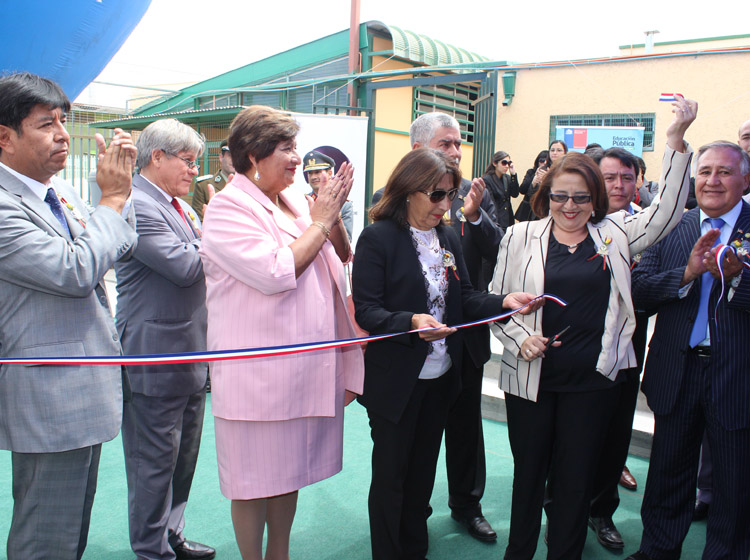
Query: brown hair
[[583, 166], [256, 131], [418, 171]]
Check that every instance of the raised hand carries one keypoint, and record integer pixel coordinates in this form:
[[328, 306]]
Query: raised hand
[[685, 111]]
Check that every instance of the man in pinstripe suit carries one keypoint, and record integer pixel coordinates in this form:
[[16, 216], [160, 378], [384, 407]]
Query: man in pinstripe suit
[[696, 376]]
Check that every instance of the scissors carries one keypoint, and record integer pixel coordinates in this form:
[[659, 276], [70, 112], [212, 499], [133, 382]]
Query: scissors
[[554, 339]]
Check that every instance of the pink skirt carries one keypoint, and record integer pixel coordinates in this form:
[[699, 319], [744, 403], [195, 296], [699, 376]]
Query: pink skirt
[[265, 459]]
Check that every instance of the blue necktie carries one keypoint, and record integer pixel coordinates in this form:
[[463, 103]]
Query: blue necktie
[[698, 334], [56, 207]]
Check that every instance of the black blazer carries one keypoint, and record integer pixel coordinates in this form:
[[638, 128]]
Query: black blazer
[[388, 288], [479, 244], [502, 190], [656, 282]]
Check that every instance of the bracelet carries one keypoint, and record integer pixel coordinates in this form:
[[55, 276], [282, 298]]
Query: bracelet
[[338, 220], [323, 228]]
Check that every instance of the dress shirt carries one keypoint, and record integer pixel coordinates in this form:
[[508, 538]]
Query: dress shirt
[[730, 218]]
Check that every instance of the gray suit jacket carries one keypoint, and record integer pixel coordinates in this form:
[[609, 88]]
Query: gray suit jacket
[[161, 302], [53, 303]]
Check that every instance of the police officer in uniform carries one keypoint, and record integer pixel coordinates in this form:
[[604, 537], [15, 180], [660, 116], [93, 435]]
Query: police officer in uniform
[[200, 193]]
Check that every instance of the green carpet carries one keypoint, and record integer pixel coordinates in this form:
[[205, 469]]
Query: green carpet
[[331, 520]]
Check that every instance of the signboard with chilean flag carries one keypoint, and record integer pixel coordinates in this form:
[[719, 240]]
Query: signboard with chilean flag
[[577, 138]]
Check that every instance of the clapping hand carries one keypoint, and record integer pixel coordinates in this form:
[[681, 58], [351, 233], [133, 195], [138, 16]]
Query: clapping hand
[[326, 208], [473, 200], [114, 170]]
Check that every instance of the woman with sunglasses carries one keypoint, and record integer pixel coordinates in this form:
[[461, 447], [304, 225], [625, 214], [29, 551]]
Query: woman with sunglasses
[[530, 185], [560, 367], [502, 182], [409, 274]]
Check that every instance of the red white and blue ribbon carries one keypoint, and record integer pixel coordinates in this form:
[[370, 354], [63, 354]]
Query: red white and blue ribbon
[[721, 252], [245, 353]]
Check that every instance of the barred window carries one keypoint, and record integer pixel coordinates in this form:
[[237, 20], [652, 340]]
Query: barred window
[[646, 120], [453, 99]]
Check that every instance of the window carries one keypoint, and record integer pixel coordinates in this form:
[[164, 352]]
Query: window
[[453, 99], [646, 120], [218, 101]]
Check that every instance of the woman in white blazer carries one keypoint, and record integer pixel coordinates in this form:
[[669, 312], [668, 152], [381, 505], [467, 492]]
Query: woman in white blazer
[[559, 394]]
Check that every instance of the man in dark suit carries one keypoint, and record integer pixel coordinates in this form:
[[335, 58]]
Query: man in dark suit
[[620, 170], [480, 239], [161, 308], [696, 375], [53, 257]]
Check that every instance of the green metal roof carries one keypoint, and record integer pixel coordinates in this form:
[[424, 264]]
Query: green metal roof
[[406, 45], [421, 48]]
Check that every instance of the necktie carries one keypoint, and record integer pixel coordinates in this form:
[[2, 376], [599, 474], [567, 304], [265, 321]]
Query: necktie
[[698, 334], [179, 211], [54, 205]]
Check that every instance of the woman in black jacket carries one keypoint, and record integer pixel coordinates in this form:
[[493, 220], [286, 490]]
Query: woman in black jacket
[[409, 273], [502, 182], [530, 185]]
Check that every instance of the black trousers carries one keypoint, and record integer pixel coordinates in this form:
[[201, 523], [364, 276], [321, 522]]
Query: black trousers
[[669, 498], [615, 446], [559, 435], [606, 497], [404, 459], [464, 444]]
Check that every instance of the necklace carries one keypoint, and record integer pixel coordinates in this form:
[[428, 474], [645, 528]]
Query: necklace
[[421, 238], [571, 248]]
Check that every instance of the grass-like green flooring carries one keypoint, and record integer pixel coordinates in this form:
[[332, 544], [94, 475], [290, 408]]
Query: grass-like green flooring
[[331, 521]]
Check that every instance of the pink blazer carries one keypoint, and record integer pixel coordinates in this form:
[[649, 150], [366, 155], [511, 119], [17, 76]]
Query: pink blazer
[[254, 300]]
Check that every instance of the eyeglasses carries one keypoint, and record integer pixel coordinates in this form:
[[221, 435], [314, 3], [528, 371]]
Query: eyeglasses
[[438, 195], [190, 164], [225, 148], [506, 162], [563, 198]]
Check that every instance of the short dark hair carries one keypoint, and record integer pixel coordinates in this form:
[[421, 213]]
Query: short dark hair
[[20, 92], [582, 165], [256, 131], [624, 156], [642, 165], [419, 170]]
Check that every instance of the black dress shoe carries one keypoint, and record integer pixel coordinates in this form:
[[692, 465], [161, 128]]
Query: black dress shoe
[[640, 555], [190, 550], [606, 533], [701, 510], [478, 526]]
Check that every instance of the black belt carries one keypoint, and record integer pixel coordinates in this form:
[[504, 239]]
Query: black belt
[[702, 351]]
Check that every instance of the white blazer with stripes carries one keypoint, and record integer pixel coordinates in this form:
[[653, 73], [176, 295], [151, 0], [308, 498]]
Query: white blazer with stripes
[[520, 267]]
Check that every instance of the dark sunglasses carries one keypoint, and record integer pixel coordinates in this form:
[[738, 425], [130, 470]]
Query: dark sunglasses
[[438, 195], [506, 162], [225, 148], [563, 198]]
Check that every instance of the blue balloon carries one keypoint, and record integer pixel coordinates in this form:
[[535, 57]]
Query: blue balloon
[[68, 41]]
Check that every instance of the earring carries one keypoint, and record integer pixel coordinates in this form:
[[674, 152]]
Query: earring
[[593, 213], [257, 176], [407, 201]]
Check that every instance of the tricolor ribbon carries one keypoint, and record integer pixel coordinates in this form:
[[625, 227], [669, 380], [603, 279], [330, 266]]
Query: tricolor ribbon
[[245, 353], [721, 251]]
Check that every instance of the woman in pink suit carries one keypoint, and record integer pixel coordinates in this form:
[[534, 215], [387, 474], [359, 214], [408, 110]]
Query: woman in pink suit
[[274, 276]]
